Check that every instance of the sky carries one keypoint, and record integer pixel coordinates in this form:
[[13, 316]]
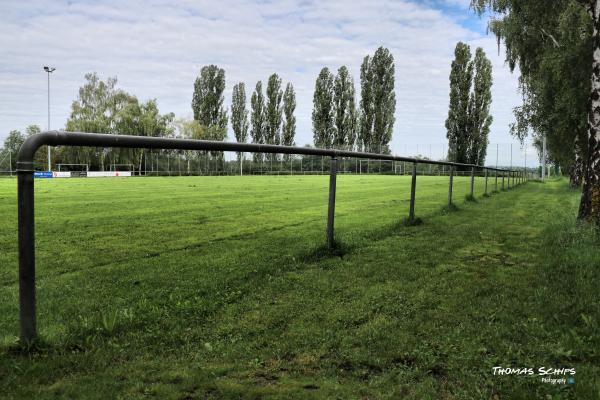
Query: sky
[[156, 50]]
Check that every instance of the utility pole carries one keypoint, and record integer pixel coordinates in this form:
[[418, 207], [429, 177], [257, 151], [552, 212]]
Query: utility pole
[[49, 70]]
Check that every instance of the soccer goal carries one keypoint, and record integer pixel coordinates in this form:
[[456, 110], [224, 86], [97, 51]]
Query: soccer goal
[[122, 167], [73, 167]]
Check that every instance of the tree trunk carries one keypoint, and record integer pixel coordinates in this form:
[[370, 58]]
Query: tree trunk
[[589, 208], [577, 167], [140, 164]]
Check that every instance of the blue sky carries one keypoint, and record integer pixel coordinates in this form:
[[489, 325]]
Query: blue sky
[[156, 50]]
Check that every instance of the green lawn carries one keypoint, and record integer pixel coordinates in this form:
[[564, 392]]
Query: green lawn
[[219, 287]]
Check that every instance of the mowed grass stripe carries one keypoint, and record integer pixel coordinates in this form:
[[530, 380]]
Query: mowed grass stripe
[[72, 219]]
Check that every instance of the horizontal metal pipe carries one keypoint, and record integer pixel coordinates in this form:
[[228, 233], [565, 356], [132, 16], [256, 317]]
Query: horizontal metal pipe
[[80, 139]]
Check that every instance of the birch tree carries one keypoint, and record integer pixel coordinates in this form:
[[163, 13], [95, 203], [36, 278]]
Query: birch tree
[[557, 50]]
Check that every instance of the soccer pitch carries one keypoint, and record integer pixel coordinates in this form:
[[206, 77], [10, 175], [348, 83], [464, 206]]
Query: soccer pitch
[[221, 286]]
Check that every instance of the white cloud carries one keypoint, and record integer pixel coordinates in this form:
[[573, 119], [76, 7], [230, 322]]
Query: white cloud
[[157, 48]]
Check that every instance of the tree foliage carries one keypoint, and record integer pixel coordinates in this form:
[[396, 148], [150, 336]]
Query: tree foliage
[[239, 113], [102, 108], [345, 116], [289, 122], [274, 111], [480, 119], [554, 48], [378, 101], [258, 117], [12, 144], [457, 123], [323, 113], [468, 122], [208, 101]]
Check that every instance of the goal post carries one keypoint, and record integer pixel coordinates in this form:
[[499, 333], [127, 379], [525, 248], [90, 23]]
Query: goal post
[[122, 167], [72, 167]]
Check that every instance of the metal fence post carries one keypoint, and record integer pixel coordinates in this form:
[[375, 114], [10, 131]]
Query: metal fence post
[[496, 181], [486, 179], [472, 180], [27, 315], [450, 186], [331, 210], [503, 180], [411, 211]]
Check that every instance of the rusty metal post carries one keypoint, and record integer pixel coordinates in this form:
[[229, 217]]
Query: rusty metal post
[[413, 187], [450, 186], [472, 180], [486, 180]]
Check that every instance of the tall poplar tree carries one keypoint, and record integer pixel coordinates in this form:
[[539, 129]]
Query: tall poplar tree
[[479, 108], [258, 118], [384, 99], [457, 123], [378, 101], [367, 108], [344, 109], [289, 122], [239, 114], [322, 114], [274, 112]]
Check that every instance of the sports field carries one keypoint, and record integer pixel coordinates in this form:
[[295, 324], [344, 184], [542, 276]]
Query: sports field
[[220, 287]]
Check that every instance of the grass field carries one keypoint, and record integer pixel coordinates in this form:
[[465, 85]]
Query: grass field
[[219, 287]]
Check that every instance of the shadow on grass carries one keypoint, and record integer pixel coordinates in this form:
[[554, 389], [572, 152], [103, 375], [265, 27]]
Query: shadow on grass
[[470, 198], [447, 209], [37, 346], [322, 252], [355, 240], [406, 221]]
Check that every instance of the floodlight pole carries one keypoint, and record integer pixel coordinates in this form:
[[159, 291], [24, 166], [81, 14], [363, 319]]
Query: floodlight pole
[[49, 70]]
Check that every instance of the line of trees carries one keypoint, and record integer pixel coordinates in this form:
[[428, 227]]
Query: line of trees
[[557, 50], [469, 119], [12, 144], [339, 122]]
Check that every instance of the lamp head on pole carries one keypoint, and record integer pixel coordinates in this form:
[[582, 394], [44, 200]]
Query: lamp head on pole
[[49, 69]]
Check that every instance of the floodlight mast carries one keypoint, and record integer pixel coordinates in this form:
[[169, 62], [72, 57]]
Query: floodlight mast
[[49, 70]]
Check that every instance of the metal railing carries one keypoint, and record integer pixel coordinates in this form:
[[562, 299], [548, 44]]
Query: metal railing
[[25, 169]]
